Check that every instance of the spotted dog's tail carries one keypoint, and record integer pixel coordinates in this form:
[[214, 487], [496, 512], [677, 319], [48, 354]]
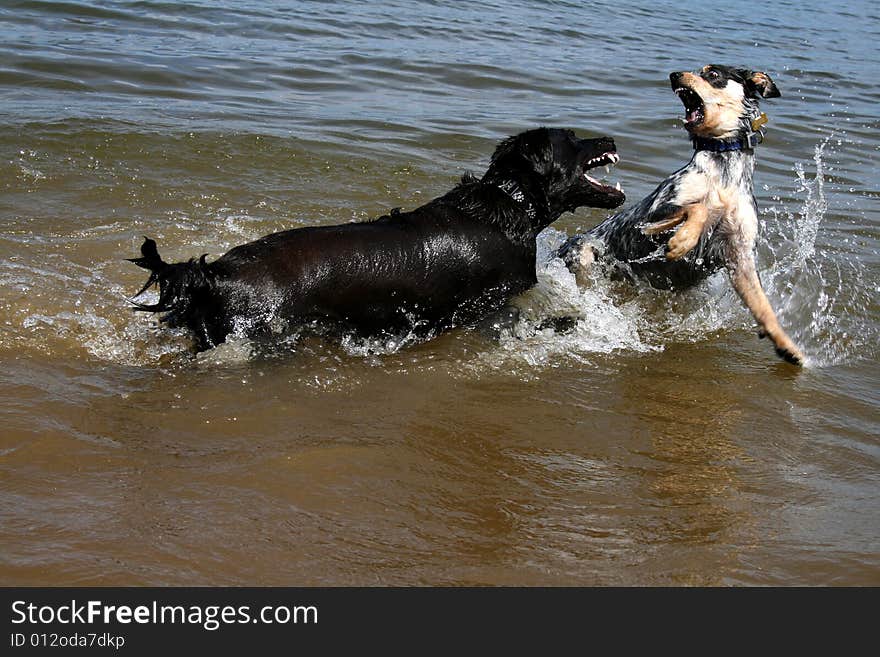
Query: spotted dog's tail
[[183, 287]]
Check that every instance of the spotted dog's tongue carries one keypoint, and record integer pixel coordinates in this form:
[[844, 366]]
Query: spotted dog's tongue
[[693, 105]]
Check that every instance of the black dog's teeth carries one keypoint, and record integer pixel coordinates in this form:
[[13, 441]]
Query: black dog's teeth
[[606, 158]]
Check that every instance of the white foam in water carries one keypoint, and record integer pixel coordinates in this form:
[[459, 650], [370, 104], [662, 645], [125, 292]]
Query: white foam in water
[[381, 346], [236, 349], [608, 317], [600, 324]]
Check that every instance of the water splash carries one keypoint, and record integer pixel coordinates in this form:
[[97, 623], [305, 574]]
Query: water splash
[[822, 290], [596, 322], [807, 229], [373, 348]]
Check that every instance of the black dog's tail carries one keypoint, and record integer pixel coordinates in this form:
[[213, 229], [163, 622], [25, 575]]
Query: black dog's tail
[[182, 285]]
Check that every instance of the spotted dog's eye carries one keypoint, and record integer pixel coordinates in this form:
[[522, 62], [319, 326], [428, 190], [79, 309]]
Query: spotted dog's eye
[[712, 75]]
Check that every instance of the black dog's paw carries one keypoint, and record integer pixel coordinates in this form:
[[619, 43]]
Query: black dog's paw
[[559, 324], [499, 323]]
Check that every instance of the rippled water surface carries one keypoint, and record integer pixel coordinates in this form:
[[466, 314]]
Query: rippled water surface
[[656, 442]]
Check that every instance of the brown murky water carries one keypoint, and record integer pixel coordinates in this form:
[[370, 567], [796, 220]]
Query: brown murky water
[[659, 442]]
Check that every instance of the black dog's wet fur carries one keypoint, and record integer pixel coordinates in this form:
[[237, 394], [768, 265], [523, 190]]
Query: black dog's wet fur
[[447, 263]]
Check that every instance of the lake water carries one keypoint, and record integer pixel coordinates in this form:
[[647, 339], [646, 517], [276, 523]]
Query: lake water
[[659, 442]]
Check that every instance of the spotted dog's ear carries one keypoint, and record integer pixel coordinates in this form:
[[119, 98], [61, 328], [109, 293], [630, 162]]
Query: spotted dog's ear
[[759, 83]]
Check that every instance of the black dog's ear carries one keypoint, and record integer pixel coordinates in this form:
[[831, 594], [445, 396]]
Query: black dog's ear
[[758, 83], [525, 145], [506, 147]]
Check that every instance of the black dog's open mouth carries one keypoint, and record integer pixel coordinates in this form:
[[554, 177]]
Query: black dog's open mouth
[[605, 159], [693, 106]]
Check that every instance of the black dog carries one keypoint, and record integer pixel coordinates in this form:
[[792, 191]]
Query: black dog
[[447, 263], [708, 203]]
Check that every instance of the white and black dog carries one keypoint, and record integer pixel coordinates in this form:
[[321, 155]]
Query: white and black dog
[[709, 203]]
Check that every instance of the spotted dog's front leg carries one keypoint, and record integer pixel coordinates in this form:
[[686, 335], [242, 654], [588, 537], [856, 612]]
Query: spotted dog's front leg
[[744, 276], [579, 256], [688, 234], [691, 221], [668, 223]]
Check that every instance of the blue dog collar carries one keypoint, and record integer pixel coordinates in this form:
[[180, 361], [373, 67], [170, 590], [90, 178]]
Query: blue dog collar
[[746, 143]]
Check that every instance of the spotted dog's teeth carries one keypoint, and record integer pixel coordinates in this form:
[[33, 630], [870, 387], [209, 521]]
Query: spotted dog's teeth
[[607, 169], [618, 187]]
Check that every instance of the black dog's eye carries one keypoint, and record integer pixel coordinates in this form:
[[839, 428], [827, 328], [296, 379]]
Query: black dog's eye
[[712, 75]]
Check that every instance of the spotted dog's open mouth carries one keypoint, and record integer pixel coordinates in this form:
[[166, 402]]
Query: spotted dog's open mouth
[[607, 160], [693, 106]]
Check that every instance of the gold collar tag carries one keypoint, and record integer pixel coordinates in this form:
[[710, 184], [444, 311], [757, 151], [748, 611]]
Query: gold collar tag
[[760, 121]]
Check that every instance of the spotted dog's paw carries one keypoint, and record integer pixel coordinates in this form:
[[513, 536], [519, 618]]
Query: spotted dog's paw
[[790, 357], [683, 241], [785, 349]]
